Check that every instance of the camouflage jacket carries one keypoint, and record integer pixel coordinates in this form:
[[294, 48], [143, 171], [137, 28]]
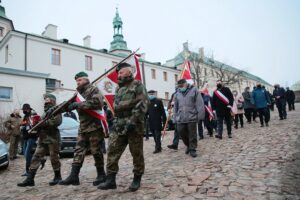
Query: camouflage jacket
[[48, 132], [13, 125], [130, 106], [93, 101]]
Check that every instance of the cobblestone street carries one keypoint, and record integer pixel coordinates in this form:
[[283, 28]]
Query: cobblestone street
[[258, 163]]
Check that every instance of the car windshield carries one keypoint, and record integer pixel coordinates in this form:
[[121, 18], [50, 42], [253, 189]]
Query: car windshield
[[68, 123]]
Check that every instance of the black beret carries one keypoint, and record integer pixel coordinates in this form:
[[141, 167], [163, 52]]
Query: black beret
[[122, 65], [26, 106], [181, 81]]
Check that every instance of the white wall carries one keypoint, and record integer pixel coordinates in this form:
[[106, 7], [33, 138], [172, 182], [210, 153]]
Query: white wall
[[25, 90]]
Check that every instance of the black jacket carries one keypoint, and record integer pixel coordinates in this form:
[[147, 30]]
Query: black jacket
[[218, 105], [290, 95], [157, 115]]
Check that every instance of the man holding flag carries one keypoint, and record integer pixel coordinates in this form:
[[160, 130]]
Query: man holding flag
[[88, 104], [130, 107]]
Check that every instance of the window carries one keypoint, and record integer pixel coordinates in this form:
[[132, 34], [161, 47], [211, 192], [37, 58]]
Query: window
[[1, 31], [205, 72], [6, 93], [176, 78], [153, 73], [55, 57], [89, 63], [165, 76], [167, 95], [6, 54]]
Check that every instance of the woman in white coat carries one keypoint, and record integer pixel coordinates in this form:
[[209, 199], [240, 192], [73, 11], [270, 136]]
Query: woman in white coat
[[239, 115]]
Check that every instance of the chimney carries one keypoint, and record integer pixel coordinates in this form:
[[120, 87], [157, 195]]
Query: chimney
[[201, 53], [50, 31], [87, 41]]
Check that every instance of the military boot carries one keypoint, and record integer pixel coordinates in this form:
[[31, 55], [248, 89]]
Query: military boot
[[100, 176], [110, 183], [136, 183], [29, 181], [56, 179], [73, 178]]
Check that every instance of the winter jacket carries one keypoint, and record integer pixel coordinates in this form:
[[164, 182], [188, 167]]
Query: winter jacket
[[261, 98], [248, 100], [189, 106], [239, 100], [219, 106], [157, 114]]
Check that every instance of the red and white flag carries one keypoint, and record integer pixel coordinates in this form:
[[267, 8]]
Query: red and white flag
[[107, 85], [186, 72], [99, 114]]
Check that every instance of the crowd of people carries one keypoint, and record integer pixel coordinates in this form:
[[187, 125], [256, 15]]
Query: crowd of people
[[136, 110]]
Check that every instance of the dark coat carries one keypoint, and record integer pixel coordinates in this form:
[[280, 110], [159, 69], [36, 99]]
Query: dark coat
[[248, 100], [157, 115], [290, 95], [279, 92], [218, 105]]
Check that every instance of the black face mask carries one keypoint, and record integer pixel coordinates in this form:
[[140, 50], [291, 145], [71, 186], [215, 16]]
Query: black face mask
[[219, 86], [47, 106], [26, 112]]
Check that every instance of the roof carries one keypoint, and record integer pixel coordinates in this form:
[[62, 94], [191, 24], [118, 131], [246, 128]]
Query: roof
[[179, 59], [10, 71]]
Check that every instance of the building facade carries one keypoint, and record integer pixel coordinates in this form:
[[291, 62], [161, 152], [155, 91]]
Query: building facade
[[59, 60]]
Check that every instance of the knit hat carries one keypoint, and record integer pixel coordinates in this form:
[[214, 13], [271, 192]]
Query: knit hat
[[26, 106], [181, 81], [81, 75]]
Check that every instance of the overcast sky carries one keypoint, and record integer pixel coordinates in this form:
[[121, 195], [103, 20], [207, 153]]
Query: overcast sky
[[259, 36]]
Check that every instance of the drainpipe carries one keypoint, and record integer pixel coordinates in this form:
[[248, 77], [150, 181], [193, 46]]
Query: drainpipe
[[143, 72], [25, 54]]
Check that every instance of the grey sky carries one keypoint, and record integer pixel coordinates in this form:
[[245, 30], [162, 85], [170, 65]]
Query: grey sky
[[260, 36]]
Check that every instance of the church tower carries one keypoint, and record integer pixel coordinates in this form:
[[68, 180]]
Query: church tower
[[118, 45], [6, 24]]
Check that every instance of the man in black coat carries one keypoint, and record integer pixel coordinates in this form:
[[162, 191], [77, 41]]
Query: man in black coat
[[157, 118], [222, 103], [290, 98], [280, 100]]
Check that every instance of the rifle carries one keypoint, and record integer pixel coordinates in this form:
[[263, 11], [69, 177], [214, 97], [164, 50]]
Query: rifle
[[64, 104], [57, 110]]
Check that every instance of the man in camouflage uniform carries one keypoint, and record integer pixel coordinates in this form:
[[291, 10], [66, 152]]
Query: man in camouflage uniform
[[130, 106], [13, 127], [49, 137], [90, 131]]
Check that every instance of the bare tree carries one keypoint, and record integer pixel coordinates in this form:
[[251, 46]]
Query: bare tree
[[228, 77], [198, 70]]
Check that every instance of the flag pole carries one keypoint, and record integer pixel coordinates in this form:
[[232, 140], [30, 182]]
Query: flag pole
[[111, 69]]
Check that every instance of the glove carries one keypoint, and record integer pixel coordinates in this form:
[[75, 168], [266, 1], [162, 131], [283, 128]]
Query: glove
[[49, 112], [73, 106]]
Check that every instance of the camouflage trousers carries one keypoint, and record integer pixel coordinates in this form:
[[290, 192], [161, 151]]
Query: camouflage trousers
[[117, 145], [41, 151], [89, 141], [13, 145]]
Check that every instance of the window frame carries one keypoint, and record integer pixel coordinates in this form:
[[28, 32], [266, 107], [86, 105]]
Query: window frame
[[54, 60], [11, 93], [153, 74], [165, 76], [88, 63]]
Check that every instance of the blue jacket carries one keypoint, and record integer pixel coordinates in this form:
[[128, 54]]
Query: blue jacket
[[261, 98]]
